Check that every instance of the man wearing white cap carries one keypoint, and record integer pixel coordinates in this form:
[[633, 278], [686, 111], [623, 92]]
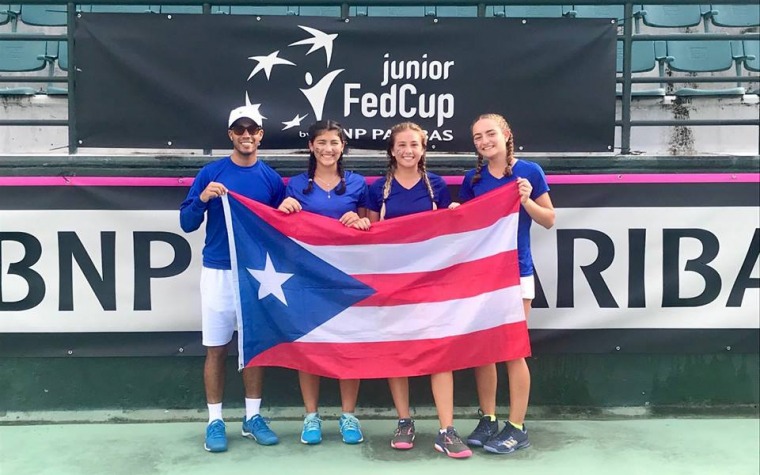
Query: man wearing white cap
[[242, 173]]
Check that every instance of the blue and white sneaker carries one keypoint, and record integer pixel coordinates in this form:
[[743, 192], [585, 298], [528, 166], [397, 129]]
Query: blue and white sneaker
[[216, 436], [350, 429], [257, 429], [508, 440], [312, 429]]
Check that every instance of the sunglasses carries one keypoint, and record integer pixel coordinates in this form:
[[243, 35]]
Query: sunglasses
[[240, 129]]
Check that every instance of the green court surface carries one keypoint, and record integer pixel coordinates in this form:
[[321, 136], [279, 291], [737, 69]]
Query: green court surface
[[619, 447]]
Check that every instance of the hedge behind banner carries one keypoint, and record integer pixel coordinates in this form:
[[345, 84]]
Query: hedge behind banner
[[170, 81]]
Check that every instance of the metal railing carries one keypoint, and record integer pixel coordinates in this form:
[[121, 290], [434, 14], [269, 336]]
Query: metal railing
[[627, 37]]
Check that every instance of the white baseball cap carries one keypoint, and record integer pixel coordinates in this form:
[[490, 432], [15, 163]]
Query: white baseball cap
[[245, 112]]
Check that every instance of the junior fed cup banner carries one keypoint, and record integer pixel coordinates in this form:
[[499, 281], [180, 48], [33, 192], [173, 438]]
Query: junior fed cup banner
[[169, 81], [423, 294]]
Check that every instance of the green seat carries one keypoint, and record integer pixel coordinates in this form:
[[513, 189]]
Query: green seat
[[527, 11], [703, 57], [751, 55], [123, 9], [458, 12], [329, 11], [43, 15], [174, 9], [10, 14], [644, 58], [671, 16], [22, 56], [60, 89], [533, 11], [596, 11], [266, 11], [406, 11], [736, 15]]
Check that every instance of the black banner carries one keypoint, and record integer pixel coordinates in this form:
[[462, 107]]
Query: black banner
[[170, 81]]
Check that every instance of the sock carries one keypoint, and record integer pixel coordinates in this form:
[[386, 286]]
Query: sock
[[252, 407], [490, 417], [214, 412], [348, 413], [516, 426], [404, 421]]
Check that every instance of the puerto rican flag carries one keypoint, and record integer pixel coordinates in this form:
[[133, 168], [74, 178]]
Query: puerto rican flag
[[416, 295]]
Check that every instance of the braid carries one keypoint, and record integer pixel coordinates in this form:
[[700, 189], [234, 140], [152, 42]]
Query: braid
[[426, 178], [504, 126], [391, 170], [341, 188], [476, 178], [312, 170], [510, 155]]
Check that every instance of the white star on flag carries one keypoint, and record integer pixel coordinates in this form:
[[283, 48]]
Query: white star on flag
[[318, 40], [289, 124], [266, 63], [270, 281]]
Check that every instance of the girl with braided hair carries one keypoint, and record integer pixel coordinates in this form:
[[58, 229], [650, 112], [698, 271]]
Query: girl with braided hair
[[409, 188], [328, 190], [497, 165]]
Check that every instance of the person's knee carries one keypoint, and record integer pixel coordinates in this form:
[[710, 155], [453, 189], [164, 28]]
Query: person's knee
[[216, 353]]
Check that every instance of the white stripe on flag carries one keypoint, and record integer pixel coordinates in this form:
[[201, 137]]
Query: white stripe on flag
[[421, 321], [433, 254]]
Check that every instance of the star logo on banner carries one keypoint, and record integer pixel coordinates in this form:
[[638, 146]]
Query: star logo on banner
[[254, 110], [270, 281], [319, 40], [266, 63], [289, 124]]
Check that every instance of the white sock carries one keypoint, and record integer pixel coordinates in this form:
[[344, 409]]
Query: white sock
[[252, 407], [214, 412]]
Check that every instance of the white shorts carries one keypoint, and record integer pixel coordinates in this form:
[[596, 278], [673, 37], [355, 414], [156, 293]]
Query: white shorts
[[218, 319], [528, 287]]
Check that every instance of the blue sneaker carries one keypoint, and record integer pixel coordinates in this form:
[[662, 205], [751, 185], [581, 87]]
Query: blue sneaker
[[350, 429], [216, 436], [508, 440], [257, 429], [312, 429], [486, 429]]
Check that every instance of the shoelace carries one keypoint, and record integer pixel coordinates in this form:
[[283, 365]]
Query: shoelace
[[350, 423], [259, 423], [215, 430], [312, 423], [408, 428]]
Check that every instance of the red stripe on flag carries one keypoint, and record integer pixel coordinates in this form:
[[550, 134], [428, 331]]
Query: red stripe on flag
[[320, 230], [370, 360], [458, 281]]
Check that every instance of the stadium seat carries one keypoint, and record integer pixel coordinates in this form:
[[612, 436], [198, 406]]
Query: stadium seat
[[752, 56], [458, 12], [736, 15], [644, 58], [266, 11], [43, 15], [22, 56], [596, 11], [123, 9], [175, 9], [407, 11], [10, 14], [331, 11], [58, 88], [534, 11], [670, 16], [702, 57], [527, 11]]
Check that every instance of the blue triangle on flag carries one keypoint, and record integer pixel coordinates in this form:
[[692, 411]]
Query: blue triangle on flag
[[315, 293]]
